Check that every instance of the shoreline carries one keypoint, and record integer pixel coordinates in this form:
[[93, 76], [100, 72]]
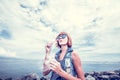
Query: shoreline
[[104, 75]]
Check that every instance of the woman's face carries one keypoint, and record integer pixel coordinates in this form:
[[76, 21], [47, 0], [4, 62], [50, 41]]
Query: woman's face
[[62, 39]]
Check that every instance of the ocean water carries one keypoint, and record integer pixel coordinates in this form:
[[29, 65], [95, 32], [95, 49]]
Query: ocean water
[[97, 66], [19, 68]]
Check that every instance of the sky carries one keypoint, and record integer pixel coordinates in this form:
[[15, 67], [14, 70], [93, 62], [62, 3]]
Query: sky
[[26, 26]]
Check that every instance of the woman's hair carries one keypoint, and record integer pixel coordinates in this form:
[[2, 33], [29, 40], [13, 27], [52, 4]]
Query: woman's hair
[[69, 42]]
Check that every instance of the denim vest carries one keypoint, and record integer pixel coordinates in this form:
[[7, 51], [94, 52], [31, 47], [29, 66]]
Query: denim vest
[[68, 57]]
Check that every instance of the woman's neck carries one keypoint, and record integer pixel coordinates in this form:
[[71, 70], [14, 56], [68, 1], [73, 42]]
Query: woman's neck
[[63, 52], [64, 48]]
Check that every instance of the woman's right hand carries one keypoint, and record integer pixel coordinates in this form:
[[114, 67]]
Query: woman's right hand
[[48, 47]]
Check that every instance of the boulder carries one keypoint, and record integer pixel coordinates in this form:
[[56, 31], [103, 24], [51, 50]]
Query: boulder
[[42, 78], [32, 76], [104, 77], [114, 77], [8, 78], [89, 77]]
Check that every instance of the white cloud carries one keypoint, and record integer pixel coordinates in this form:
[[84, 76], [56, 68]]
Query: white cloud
[[32, 25], [7, 53]]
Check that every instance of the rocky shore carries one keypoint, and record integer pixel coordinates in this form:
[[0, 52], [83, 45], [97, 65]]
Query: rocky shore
[[105, 75]]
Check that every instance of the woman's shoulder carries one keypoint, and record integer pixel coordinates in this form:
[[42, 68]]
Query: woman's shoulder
[[76, 58], [75, 55]]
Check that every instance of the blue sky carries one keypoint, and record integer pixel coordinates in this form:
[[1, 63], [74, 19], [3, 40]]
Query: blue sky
[[27, 25]]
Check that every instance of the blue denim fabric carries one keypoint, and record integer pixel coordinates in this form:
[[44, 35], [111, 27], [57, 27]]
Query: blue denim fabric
[[62, 62]]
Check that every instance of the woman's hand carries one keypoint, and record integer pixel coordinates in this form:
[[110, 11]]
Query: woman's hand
[[55, 66], [48, 47]]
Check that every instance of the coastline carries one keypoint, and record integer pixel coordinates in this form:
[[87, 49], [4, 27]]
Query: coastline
[[104, 75]]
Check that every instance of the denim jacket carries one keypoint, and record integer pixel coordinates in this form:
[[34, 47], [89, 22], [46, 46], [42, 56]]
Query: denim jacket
[[67, 61]]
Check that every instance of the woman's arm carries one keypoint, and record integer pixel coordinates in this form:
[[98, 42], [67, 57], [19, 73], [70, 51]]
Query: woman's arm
[[46, 69], [55, 66], [78, 66]]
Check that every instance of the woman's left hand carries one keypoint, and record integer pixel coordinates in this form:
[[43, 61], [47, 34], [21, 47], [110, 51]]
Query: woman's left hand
[[55, 66]]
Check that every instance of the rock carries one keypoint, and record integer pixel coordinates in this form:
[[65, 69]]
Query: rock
[[89, 77], [32, 76], [8, 79], [114, 77], [86, 74], [109, 73], [0, 79], [103, 77], [42, 78], [117, 72]]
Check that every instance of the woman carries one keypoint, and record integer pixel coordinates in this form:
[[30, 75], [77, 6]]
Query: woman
[[67, 64]]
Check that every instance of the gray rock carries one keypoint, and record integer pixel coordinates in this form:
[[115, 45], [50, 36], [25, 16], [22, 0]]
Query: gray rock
[[32, 76], [89, 77]]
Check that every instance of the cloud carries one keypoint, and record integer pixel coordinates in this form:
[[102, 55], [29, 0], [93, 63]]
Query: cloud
[[7, 53], [4, 31], [27, 26]]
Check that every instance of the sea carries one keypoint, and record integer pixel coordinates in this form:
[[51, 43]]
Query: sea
[[20, 67]]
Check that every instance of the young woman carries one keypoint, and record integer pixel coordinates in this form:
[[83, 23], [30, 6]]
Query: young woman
[[67, 64]]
